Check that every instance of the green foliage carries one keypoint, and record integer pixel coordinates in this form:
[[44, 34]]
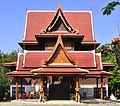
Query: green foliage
[[114, 82], [4, 79], [109, 56], [110, 7]]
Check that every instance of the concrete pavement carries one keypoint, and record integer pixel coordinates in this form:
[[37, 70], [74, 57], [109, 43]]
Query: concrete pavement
[[62, 103]]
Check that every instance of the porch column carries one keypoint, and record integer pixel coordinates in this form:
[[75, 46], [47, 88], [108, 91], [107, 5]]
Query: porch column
[[77, 97], [42, 90], [21, 86], [16, 88], [101, 88], [97, 92]]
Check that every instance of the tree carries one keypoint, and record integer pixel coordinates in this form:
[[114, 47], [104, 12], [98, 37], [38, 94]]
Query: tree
[[4, 79], [109, 56], [114, 80], [110, 7], [107, 53]]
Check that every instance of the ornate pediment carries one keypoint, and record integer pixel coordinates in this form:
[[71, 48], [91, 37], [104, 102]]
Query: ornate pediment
[[59, 54], [59, 23]]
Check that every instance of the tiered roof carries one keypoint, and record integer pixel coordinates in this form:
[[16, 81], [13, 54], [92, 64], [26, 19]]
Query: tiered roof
[[59, 61]]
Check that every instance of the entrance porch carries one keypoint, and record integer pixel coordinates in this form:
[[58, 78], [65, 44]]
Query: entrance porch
[[62, 87]]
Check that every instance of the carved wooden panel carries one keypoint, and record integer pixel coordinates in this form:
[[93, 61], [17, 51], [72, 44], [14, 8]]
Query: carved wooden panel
[[59, 56]]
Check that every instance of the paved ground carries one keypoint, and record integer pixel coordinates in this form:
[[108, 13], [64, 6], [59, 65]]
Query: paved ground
[[63, 103]]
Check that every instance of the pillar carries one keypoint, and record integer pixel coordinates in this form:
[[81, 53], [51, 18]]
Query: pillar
[[42, 90], [50, 77], [21, 86], [16, 88], [97, 92], [77, 97], [101, 88]]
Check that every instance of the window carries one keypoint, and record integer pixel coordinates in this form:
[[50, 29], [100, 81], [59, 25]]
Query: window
[[99, 92], [19, 91]]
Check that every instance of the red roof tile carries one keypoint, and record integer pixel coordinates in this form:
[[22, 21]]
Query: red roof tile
[[33, 59], [36, 21], [85, 59], [98, 73], [10, 64], [98, 62], [108, 64], [20, 62], [20, 73], [64, 70]]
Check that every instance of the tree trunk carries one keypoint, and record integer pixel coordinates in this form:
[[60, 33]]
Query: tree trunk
[[116, 49], [115, 93]]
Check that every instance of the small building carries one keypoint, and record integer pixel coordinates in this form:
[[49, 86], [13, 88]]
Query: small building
[[59, 58]]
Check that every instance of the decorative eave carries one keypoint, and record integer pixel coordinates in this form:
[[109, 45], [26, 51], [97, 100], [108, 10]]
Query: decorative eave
[[55, 35], [73, 36], [59, 71], [59, 13], [108, 64], [91, 43], [11, 64], [98, 74], [20, 74]]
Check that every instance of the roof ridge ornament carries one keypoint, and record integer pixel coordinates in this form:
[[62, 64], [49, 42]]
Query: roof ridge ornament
[[59, 14], [59, 6]]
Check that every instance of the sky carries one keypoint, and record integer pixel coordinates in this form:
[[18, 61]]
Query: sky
[[13, 18]]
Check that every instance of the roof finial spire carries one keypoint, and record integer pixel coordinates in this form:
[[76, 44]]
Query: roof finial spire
[[26, 9], [18, 50], [59, 6]]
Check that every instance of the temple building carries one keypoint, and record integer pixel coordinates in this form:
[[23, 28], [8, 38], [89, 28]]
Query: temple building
[[59, 58]]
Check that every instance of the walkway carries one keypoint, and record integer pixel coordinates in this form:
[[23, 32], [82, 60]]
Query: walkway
[[60, 103]]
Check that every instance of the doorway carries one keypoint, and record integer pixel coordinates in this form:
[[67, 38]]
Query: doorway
[[60, 88]]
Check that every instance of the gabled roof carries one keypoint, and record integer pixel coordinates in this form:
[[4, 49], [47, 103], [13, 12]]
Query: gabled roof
[[85, 58], [59, 19], [38, 20], [20, 62], [59, 44]]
